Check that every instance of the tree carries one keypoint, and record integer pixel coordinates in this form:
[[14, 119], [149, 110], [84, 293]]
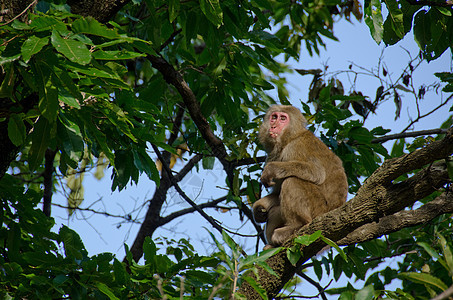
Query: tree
[[132, 82]]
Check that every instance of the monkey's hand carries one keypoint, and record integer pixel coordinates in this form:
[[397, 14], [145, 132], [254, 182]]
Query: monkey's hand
[[267, 177]]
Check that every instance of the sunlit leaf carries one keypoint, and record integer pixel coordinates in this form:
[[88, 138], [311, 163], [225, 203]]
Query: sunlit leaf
[[106, 290], [72, 243], [32, 46], [90, 25], [367, 293], [424, 278], [73, 50], [173, 9], [213, 12]]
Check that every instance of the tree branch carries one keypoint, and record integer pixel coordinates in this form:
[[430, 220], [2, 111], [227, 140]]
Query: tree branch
[[101, 10], [174, 183], [447, 3], [441, 205], [48, 185], [174, 78], [403, 135], [445, 294], [177, 214]]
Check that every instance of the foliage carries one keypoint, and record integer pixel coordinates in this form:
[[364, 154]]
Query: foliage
[[432, 26], [39, 263], [89, 91]]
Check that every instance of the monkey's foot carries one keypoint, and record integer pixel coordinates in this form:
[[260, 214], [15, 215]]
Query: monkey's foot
[[268, 246], [282, 234]]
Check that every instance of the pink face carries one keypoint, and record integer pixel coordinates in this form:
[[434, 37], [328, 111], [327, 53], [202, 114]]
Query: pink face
[[278, 121]]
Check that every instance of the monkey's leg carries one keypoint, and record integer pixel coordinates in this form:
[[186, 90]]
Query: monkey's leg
[[262, 207], [274, 221], [300, 202]]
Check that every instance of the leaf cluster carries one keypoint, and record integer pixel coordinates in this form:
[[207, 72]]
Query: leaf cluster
[[432, 25]]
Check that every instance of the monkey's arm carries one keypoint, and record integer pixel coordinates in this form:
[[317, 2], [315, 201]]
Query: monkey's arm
[[312, 171]]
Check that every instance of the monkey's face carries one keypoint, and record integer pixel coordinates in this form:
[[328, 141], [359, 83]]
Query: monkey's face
[[278, 122]]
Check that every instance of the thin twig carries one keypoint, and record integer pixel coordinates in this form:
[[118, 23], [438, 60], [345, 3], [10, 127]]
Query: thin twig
[[402, 135], [181, 192], [18, 16], [428, 113], [127, 217]]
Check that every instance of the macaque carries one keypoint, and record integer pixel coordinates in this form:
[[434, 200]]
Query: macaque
[[307, 178]]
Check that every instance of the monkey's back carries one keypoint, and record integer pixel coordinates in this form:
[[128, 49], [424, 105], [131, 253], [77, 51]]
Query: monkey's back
[[307, 147]]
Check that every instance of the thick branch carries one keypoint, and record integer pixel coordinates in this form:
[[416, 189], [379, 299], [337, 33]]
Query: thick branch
[[407, 218], [393, 168], [48, 185], [174, 78], [101, 10], [447, 3]]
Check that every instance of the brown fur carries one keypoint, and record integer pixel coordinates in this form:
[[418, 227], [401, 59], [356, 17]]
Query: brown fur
[[308, 179]]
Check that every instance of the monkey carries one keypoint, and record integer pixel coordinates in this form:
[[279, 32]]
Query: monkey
[[306, 177]]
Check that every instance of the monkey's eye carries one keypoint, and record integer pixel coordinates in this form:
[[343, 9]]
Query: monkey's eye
[[283, 118], [274, 117]]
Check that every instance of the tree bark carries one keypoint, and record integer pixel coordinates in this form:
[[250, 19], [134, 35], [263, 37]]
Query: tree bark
[[101, 10], [374, 211]]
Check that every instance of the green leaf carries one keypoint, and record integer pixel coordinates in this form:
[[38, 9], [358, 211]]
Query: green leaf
[[145, 164], [45, 23], [373, 19], [393, 25], [16, 129], [263, 256], [306, 240], [71, 140], [40, 139], [106, 290], [173, 9], [74, 50], [294, 254], [69, 100], [120, 272], [66, 84], [360, 135], [424, 278], [48, 93], [208, 162], [48, 102], [32, 46], [72, 243], [213, 12], [332, 244], [446, 249], [89, 25], [232, 244], [433, 253], [149, 250], [317, 267], [367, 158], [93, 72], [367, 293], [116, 55]]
